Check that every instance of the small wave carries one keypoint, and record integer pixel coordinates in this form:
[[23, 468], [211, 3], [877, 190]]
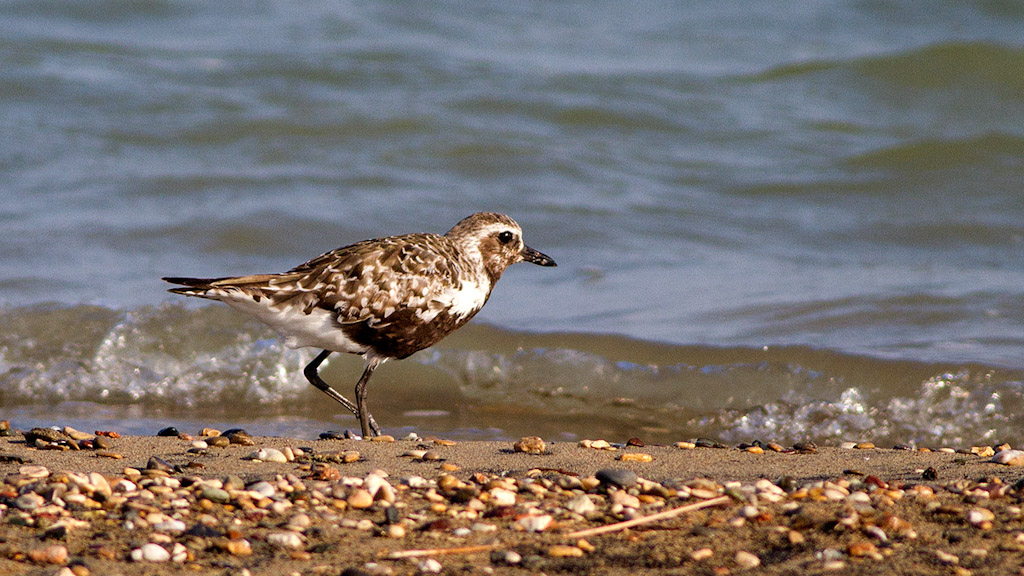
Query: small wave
[[948, 154], [210, 362], [939, 66]]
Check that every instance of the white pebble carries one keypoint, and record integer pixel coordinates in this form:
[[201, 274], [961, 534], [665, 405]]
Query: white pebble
[[747, 560], [502, 497], [1009, 457], [581, 505], [151, 552], [269, 455], [285, 539], [429, 566], [170, 525], [535, 523], [179, 553], [263, 489]]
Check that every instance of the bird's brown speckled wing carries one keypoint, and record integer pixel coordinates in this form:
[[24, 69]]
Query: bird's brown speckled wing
[[372, 280]]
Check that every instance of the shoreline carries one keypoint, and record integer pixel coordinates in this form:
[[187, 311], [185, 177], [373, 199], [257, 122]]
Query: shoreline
[[350, 504]]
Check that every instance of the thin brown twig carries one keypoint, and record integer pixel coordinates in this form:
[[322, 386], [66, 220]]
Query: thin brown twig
[[578, 534], [648, 519]]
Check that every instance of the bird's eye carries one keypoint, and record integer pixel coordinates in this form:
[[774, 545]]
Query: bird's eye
[[505, 237]]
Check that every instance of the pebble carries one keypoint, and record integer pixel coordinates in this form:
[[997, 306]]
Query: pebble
[[636, 457], [685, 445], [581, 505], [49, 555], [1009, 457], [151, 552], [597, 445], [625, 499], [530, 445], [508, 557], [429, 566], [947, 558], [502, 497], [564, 551], [979, 516], [535, 523], [747, 560], [218, 442], [701, 554], [269, 455], [360, 499], [216, 495], [617, 477], [287, 539]]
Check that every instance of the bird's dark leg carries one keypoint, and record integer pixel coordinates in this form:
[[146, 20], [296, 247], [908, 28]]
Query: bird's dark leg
[[366, 422], [312, 374]]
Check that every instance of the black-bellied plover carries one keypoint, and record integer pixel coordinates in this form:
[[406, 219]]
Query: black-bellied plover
[[383, 298]]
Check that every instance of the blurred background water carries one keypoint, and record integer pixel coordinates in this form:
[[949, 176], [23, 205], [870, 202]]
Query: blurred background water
[[772, 220]]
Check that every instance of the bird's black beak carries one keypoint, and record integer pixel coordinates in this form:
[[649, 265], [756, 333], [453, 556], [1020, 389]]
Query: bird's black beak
[[534, 257]]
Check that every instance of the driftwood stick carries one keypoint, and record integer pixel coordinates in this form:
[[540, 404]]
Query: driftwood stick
[[648, 519], [578, 534]]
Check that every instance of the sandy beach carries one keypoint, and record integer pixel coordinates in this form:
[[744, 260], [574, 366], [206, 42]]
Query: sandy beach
[[182, 505]]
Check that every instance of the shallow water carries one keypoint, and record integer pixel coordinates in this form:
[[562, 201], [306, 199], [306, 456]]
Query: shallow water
[[840, 184]]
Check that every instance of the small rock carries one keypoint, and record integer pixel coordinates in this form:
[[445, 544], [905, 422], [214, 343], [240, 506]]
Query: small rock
[[34, 471], [978, 516], [429, 566], [581, 505], [983, 451], [49, 555], [238, 436], [947, 558], [747, 560], [860, 549], [1009, 457], [394, 531], [360, 499], [701, 554], [216, 495], [617, 477], [865, 446], [382, 438], [151, 552], [29, 501], [508, 557], [218, 441], [502, 497], [169, 431], [285, 539], [625, 499], [636, 457], [269, 455], [535, 523], [686, 446], [530, 445], [564, 551], [238, 547]]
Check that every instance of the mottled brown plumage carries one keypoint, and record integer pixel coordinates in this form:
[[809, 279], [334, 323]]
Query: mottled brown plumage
[[382, 298]]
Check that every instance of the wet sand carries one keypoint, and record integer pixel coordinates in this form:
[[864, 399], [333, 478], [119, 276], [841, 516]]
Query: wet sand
[[838, 510]]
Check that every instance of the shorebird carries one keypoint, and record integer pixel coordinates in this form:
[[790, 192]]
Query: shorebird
[[382, 298]]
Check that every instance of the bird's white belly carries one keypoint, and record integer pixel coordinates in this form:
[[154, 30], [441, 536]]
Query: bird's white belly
[[318, 329]]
